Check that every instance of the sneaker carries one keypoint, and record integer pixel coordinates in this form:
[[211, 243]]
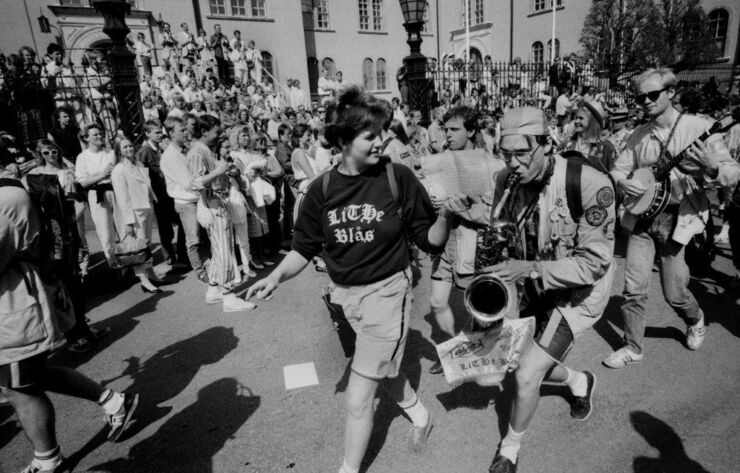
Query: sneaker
[[100, 333], [695, 337], [581, 406], [419, 435], [501, 464], [436, 368], [120, 419], [60, 468], [254, 265], [249, 273], [233, 303], [214, 295], [621, 358], [81, 345]]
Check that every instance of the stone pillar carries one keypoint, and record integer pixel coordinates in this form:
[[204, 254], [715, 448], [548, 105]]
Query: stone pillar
[[419, 86], [122, 64]]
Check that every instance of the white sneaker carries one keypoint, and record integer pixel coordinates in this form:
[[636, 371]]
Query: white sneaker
[[214, 295], [695, 336], [233, 303], [621, 358]]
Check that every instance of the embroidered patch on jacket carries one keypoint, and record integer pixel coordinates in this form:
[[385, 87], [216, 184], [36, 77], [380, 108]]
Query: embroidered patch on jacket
[[605, 197], [609, 230], [595, 215]]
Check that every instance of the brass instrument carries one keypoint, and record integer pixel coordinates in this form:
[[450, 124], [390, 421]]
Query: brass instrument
[[488, 298]]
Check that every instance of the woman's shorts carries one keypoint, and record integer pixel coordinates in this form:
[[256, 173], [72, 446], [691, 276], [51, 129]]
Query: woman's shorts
[[379, 314]]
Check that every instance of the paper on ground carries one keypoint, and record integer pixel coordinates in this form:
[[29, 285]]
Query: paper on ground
[[300, 375]]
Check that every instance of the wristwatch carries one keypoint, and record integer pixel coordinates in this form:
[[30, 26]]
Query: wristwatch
[[534, 270]]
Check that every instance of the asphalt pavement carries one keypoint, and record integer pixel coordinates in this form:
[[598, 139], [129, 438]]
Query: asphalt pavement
[[214, 398]]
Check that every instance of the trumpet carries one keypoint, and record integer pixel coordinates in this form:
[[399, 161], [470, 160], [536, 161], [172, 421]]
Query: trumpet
[[488, 298]]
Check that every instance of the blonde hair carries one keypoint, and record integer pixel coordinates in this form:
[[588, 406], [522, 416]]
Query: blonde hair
[[666, 75]]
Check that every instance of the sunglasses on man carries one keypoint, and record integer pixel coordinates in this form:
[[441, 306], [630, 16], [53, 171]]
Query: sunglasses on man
[[523, 156], [652, 95]]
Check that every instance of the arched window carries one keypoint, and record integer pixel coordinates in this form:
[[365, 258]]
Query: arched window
[[380, 73], [538, 52], [267, 64], [549, 49], [313, 75], [328, 64], [368, 74], [718, 20]]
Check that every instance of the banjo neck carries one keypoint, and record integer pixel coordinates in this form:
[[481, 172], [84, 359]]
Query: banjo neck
[[663, 168]]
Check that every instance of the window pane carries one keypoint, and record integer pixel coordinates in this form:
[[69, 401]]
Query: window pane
[[218, 7], [537, 52], [380, 68], [239, 7], [478, 12], [377, 15], [368, 77], [258, 8], [267, 64], [364, 15], [539, 5], [322, 14]]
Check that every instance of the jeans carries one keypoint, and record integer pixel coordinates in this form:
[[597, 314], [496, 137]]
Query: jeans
[[192, 235], [642, 246]]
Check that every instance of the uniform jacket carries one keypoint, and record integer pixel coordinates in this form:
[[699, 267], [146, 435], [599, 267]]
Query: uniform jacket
[[575, 257], [643, 150], [27, 325]]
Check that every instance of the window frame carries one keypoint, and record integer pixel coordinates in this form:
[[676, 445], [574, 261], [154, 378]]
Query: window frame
[[257, 6], [381, 77], [364, 5], [236, 9], [219, 4], [715, 26], [254, 9], [368, 77], [541, 52]]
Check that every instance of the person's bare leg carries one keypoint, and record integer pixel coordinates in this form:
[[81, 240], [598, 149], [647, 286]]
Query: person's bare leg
[[360, 412], [36, 415]]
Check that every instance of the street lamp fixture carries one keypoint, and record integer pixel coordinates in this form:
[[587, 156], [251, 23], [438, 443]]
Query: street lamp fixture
[[415, 64]]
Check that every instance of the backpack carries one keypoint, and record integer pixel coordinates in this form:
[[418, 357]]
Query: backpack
[[58, 240], [576, 161]]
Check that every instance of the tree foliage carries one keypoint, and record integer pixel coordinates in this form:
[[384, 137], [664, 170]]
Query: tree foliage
[[630, 35]]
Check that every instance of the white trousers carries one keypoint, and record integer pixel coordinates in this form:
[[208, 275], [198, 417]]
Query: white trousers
[[107, 220]]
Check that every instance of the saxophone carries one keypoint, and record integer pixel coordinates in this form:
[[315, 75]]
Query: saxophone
[[488, 298]]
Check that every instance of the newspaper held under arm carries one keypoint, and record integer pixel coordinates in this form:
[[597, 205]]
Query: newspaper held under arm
[[486, 357]]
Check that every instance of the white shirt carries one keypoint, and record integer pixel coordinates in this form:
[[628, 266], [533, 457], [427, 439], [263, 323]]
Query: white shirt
[[177, 176], [562, 104], [90, 163]]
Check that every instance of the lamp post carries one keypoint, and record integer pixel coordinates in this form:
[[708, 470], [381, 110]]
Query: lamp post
[[122, 62], [416, 63]]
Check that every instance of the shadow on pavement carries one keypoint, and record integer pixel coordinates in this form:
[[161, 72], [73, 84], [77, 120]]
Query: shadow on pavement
[[120, 325], [190, 439], [718, 301], [169, 371], [612, 315], [671, 454], [9, 425]]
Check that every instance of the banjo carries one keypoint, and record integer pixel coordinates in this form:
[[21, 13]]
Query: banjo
[[655, 177]]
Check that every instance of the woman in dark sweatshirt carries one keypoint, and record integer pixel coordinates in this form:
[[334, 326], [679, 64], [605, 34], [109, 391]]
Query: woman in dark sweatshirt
[[353, 221]]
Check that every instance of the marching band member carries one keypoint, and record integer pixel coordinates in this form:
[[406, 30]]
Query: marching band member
[[351, 213], [686, 214], [564, 210]]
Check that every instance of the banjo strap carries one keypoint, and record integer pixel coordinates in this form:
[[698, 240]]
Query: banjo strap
[[664, 145]]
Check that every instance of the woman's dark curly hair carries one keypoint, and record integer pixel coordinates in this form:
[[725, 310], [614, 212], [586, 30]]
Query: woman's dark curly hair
[[355, 112]]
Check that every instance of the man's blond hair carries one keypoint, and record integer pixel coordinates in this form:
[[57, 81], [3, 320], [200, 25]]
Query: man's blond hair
[[666, 75]]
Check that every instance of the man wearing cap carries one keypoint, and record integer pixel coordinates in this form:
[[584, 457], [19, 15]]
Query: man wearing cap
[[619, 132], [565, 213], [686, 214], [588, 125]]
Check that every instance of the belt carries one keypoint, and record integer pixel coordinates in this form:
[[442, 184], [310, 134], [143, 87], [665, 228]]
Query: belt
[[100, 190]]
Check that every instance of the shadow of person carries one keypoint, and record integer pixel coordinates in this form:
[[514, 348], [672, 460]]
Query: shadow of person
[[9, 425], [190, 439], [717, 300], [387, 409], [120, 326], [612, 315], [169, 371], [671, 454]]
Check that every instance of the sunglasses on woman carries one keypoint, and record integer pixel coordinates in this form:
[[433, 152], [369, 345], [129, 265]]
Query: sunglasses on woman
[[50, 152], [653, 95]]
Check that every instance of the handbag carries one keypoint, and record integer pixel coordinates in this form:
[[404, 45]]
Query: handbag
[[131, 252], [262, 192], [237, 205]]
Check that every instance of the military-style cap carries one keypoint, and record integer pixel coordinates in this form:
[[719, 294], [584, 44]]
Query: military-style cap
[[596, 110], [524, 121]]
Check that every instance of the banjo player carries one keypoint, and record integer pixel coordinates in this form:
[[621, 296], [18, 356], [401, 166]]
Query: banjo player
[[685, 215]]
